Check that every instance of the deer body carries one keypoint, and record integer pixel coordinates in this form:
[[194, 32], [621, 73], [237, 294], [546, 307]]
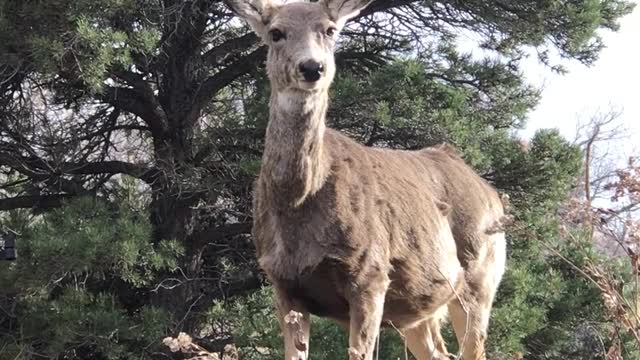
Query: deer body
[[364, 236], [371, 236]]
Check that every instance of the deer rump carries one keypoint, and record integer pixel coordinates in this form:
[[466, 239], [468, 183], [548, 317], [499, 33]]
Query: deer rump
[[413, 222]]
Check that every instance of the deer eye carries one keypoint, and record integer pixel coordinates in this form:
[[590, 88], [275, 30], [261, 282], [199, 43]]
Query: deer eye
[[277, 35], [331, 31]]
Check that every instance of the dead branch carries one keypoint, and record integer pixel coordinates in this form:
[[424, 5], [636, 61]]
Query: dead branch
[[184, 345]]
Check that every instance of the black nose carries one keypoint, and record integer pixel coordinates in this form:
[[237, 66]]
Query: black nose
[[311, 70]]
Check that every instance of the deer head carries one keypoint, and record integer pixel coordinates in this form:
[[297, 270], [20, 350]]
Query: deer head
[[301, 37]]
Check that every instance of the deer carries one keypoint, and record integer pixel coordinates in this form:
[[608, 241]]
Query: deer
[[367, 237]]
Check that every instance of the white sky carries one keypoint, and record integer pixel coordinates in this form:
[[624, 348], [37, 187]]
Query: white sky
[[613, 81]]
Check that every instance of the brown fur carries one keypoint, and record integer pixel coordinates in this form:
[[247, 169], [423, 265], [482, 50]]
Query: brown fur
[[361, 235]]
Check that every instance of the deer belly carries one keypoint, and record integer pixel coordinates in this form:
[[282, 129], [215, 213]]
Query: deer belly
[[406, 312], [320, 292], [416, 293]]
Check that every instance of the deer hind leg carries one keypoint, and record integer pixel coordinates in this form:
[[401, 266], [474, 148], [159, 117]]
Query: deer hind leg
[[470, 311], [295, 324], [424, 341], [469, 323]]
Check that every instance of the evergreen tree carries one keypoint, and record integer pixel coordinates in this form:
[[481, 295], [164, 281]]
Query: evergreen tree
[[131, 131]]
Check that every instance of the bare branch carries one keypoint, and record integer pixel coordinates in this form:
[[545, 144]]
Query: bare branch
[[39, 169], [219, 233], [110, 167], [217, 82], [131, 101], [230, 47], [34, 201]]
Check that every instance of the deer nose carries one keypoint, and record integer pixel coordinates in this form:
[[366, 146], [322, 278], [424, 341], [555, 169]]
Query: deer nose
[[311, 70]]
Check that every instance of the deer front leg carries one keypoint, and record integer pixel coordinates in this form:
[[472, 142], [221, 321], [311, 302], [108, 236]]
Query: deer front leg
[[295, 324], [366, 310]]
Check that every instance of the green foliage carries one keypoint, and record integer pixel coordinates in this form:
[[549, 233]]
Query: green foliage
[[86, 238], [60, 33], [415, 103], [182, 83], [77, 320], [101, 49], [545, 308], [571, 24], [67, 256]]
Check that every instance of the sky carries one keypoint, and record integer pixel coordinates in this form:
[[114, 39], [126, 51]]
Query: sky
[[612, 82]]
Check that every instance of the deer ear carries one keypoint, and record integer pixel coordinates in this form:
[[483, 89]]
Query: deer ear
[[341, 11], [256, 12]]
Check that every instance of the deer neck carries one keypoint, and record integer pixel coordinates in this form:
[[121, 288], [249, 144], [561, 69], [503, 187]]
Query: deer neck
[[295, 164]]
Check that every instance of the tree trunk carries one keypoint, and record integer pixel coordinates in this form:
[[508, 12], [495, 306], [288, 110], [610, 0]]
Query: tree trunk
[[172, 218]]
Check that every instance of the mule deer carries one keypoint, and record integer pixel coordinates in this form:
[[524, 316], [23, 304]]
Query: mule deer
[[363, 236]]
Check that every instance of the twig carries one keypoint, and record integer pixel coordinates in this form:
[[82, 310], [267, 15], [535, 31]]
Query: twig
[[404, 338], [466, 313], [189, 310]]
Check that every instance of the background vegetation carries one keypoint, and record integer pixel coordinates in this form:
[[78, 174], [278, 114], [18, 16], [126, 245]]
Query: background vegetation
[[131, 132]]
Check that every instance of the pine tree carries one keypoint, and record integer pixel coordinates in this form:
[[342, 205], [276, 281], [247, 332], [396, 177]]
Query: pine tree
[[154, 112]]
